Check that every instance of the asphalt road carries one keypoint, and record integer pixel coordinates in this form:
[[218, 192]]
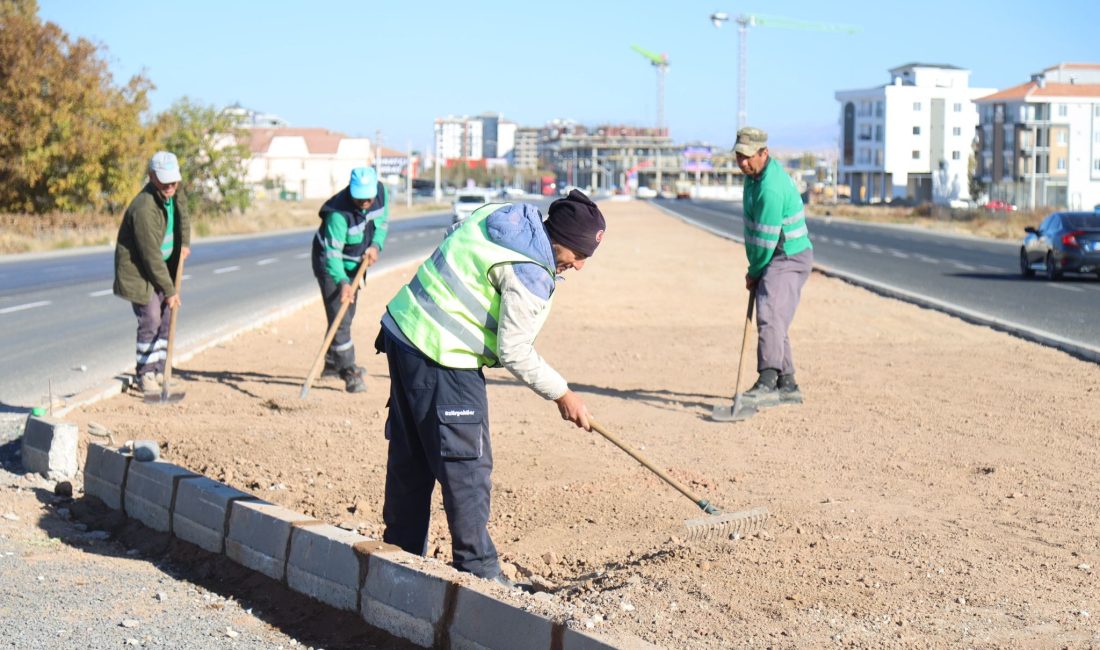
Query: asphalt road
[[62, 329], [976, 278]]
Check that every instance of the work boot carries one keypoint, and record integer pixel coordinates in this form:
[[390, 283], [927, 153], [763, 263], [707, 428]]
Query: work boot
[[764, 392], [330, 370], [504, 582], [148, 383], [788, 390], [353, 379]]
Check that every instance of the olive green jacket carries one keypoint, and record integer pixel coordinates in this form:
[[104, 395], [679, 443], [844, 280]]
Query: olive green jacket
[[139, 265]]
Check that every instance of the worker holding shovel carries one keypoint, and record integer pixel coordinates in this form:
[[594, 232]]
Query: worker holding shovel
[[780, 257], [153, 241], [479, 300], [353, 229]]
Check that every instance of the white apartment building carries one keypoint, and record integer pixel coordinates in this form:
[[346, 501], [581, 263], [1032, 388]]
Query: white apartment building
[[311, 163], [458, 138], [911, 138], [1040, 141]]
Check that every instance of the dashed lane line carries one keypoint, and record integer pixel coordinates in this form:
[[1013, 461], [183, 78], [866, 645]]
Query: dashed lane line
[[963, 267], [896, 253], [1064, 287], [302, 256], [29, 305], [927, 260], [101, 292], [856, 245], [267, 260], [226, 269]]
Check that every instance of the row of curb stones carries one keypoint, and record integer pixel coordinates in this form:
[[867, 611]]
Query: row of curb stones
[[428, 604]]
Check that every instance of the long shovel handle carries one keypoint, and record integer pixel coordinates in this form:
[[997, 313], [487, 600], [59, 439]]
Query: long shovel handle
[[331, 334], [744, 340], [172, 333], [702, 503]]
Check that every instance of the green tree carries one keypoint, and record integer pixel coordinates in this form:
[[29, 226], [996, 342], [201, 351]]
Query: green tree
[[212, 149], [69, 139]]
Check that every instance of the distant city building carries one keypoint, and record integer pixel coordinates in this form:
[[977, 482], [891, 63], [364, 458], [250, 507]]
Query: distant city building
[[249, 118], [304, 163], [525, 153], [459, 139], [911, 138], [1039, 142]]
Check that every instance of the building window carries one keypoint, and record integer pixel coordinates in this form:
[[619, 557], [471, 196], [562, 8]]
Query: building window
[[1096, 165], [958, 107], [879, 109], [1061, 137], [878, 133], [1061, 164], [1096, 110], [916, 154], [916, 106], [878, 157], [956, 130], [1063, 110], [916, 130], [955, 155]]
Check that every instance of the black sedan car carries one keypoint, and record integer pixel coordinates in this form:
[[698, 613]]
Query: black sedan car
[[1064, 241]]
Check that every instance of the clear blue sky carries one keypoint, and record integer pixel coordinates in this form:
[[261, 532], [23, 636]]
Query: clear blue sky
[[395, 66]]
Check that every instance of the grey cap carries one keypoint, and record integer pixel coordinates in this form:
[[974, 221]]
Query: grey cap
[[165, 166], [750, 140]]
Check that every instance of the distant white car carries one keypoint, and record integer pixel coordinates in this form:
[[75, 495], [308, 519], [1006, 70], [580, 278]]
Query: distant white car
[[469, 199], [646, 193]]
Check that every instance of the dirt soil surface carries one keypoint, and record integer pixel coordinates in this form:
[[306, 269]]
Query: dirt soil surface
[[936, 488]]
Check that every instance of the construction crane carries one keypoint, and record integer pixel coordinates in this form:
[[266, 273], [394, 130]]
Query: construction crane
[[744, 21], [659, 61]]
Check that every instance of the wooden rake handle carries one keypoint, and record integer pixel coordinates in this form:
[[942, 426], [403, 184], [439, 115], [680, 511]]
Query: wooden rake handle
[[331, 333], [172, 329], [702, 503]]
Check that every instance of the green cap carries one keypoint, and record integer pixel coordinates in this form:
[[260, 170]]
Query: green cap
[[750, 140]]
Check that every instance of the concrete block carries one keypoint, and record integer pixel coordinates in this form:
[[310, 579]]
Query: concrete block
[[49, 447], [259, 535], [12, 425], [324, 565], [483, 623], [405, 595], [202, 510], [574, 640], [105, 475], [150, 490]]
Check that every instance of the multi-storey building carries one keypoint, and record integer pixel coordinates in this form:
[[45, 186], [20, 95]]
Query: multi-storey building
[[1040, 141], [911, 138], [458, 138], [525, 154]]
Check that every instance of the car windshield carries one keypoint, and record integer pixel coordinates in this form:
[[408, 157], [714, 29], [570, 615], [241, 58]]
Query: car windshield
[[471, 199]]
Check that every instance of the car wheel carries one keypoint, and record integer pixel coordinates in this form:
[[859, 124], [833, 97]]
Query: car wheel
[[1025, 265], [1052, 271]]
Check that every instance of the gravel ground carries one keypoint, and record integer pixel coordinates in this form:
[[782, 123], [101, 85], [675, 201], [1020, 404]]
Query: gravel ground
[[71, 577]]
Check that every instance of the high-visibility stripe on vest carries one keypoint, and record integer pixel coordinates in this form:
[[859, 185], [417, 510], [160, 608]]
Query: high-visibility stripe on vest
[[450, 310]]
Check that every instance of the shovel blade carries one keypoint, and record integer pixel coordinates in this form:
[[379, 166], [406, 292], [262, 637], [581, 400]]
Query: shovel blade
[[732, 412], [163, 398]]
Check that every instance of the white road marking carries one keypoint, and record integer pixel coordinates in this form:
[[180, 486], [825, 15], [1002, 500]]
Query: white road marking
[[1066, 287], [821, 238], [186, 276], [897, 253], [266, 261], [302, 256], [226, 269], [927, 260], [856, 245], [874, 249], [101, 292], [963, 267], [29, 305]]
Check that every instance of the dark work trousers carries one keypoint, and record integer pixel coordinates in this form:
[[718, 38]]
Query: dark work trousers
[[438, 428], [777, 296], [341, 353], [154, 318]]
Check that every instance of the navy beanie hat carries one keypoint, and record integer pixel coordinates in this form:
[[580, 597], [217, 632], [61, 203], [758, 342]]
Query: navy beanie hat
[[576, 223]]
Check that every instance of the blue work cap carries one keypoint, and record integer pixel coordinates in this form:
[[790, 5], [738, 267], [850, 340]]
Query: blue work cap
[[364, 183]]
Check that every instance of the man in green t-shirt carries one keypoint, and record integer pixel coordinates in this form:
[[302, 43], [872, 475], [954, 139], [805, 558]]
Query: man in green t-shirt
[[781, 257], [153, 240]]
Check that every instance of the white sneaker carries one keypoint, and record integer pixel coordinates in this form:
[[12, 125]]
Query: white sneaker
[[148, 383]]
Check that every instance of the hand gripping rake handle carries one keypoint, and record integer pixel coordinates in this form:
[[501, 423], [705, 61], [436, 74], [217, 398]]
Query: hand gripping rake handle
[[706, 506]]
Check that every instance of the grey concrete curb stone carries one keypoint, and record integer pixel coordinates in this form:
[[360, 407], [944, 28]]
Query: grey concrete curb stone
[[150, 492], [416, 599], [404, 601], [323, 565], [105, 475], [201, 515], [49, 447], [259, 536]]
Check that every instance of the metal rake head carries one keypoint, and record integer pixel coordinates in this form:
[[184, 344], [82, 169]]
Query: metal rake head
[[727, 524]]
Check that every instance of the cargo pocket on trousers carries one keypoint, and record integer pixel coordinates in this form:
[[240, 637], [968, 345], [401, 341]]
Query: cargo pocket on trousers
[[461, 429]]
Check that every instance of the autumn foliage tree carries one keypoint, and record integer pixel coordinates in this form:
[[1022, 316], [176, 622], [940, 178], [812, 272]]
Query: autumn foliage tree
[[70, 140]]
